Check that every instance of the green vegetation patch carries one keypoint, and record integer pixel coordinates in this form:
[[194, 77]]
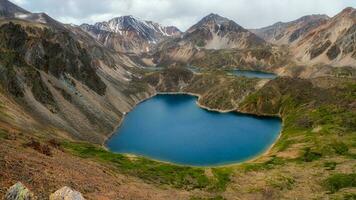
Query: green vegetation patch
[[222, 178], [270, 164], [3, 134], [349, 196], [152, 171], [201, 43], [207, 198], [334, 118], [310, 155], [330, 165], [282, 182], [338, 181], [340, 148]]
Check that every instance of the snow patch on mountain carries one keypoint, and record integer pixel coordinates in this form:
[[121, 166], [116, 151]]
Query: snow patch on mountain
[[130, 34], [124, 25]]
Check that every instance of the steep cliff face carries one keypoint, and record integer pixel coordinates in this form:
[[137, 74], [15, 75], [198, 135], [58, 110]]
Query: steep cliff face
[[57, 78], [62, 83], [317, 39], [290, 32], [130, 34], [331, 43]]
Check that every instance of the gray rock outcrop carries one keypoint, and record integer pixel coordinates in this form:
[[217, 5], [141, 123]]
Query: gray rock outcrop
[[19, 192], [66, 193]]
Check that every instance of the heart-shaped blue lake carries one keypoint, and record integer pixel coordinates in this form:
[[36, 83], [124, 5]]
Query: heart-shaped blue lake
[[172, 128]]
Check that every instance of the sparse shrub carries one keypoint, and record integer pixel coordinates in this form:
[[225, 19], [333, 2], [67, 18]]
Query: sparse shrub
[[304, 122], [222, 176], [282, 182], [207, 198], [310, 155], [330, 165], [340, 148], [44, 149], [270, 164], [54, 143], [349, 196], [338, 181], [200, 43]]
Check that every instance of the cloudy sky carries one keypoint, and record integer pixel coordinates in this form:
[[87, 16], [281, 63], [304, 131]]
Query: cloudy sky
[[184, 13]]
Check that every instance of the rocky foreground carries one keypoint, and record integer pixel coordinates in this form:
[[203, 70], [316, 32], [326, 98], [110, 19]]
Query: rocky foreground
[[20, 192]]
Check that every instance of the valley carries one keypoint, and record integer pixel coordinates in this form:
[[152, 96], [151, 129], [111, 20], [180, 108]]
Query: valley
[[65, 89]]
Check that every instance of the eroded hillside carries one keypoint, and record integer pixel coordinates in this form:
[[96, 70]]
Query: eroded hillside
[[62, 83]]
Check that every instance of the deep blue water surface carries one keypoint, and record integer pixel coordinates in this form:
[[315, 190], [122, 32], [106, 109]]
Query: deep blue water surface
[[173, 128], [254, 74]]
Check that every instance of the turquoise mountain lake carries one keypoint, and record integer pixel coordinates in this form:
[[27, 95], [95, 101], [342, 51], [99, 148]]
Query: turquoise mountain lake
[[254, 74], [174, 129]]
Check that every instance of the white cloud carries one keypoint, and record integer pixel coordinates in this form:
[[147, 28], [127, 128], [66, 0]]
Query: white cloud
[[19, 2], [184, 13]]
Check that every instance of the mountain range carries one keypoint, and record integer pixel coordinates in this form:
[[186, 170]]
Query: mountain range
[[85, 68], [75, 84]]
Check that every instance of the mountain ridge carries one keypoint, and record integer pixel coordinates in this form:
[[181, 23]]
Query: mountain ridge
[[211, 33], [216, 28], [9, 9], [288, 32], [130, 34], [317, 39]]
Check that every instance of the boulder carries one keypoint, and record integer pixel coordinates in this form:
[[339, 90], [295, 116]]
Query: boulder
[[66, 193], [19, 192]]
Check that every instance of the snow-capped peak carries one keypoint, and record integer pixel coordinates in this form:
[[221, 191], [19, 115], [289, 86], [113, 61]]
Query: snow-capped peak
[[129, 23]]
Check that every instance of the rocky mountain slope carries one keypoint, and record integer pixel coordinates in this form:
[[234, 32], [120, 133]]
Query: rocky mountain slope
[[216, 32], [8, 9], [332, 43], [282, 33], [317, 39], [211, 34], [62, 79], [130, 34]]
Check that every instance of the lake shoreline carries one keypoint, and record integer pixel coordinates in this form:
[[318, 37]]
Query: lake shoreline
[[249, 160]]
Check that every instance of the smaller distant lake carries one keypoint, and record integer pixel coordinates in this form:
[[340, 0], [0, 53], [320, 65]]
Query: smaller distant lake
[[194, 69], [153, 68], [253, 74]]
